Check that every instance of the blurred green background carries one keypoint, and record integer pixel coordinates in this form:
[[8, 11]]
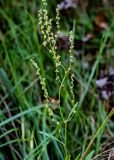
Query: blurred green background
[[26, 132]]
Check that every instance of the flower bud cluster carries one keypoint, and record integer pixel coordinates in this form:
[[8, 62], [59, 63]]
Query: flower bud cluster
[[49, 37], [57, 20], [71, 48], [42, 80], [46, 25], [71, 89], [43, 84]]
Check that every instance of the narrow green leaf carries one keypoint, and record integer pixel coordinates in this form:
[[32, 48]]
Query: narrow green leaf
[[89, 156]]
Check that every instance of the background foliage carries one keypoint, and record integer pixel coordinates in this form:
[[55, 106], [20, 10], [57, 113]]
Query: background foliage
[[26, 131]]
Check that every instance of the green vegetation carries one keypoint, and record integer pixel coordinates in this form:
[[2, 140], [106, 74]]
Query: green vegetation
[[50, 107]]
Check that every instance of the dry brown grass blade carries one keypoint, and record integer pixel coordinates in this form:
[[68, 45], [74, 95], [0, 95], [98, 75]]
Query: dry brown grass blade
[[100, 128]]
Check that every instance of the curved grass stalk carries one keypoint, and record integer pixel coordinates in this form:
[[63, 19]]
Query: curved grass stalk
[[100, 128]]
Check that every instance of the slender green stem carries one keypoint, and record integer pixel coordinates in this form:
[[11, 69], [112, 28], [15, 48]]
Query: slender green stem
[[61, 85], [66, 138]]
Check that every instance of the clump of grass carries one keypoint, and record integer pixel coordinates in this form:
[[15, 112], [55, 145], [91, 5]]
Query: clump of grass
[[34, 124], [50, 44]]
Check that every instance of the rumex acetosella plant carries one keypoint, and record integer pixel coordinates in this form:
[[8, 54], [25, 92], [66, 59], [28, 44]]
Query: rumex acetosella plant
[[49, 42]]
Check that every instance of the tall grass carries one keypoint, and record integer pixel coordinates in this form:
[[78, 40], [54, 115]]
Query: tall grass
[[48, 108]]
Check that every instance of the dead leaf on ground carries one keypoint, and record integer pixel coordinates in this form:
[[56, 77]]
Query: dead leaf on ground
[[106, 85], [111, 70], [111, 155], [101, 21], [107, 3], [68, 8], [88, 37], [62, 42], [66, 4]]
